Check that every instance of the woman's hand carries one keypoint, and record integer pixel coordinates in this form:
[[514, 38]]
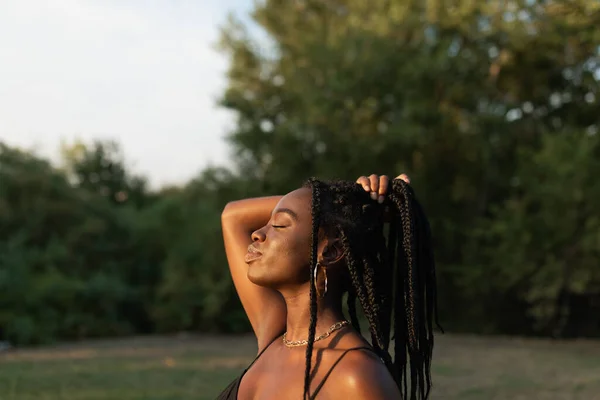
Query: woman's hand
[[377, 185]]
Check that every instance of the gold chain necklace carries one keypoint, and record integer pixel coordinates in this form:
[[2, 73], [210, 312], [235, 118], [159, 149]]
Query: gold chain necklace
[[337, 326]]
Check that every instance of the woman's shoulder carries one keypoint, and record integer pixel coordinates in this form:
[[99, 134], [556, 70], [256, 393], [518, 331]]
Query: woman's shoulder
[[361, 374]]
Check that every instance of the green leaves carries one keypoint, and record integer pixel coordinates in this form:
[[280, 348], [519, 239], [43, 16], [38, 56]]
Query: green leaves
[[489, 107], [541, 242]]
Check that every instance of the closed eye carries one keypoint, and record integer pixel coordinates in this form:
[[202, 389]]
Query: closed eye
[[278, 226]]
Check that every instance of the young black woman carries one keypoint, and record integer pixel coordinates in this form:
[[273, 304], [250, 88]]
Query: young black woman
[[293, 258]]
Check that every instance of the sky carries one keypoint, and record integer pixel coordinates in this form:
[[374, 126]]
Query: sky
[[142, 72]]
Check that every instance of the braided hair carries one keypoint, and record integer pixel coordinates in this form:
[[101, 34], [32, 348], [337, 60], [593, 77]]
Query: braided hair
[[393, 279]]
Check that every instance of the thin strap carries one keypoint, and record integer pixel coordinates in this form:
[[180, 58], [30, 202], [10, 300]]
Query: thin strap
[[263, 350], [335, 364]]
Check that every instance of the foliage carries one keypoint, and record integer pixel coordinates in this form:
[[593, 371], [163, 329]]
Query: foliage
[[490, 107], [76, 261], [542, 243], [469, 98], [63, 253]]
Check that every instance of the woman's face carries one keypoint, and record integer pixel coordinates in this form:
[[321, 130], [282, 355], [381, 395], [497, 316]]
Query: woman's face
[[279, 256]]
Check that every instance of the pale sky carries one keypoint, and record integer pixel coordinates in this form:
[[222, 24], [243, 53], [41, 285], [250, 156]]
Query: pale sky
[[142, 72]]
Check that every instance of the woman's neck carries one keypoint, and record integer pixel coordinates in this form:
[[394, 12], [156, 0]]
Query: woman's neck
[[329, 311]]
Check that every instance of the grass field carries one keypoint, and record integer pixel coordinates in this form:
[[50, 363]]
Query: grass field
[[182, 368]]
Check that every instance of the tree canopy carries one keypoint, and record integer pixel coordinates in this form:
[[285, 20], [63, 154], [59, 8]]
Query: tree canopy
[[492, 108]]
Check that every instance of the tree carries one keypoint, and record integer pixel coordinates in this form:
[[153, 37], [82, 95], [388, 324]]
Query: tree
[[454, 93], [63, 253], [100, 167], [543, 243]]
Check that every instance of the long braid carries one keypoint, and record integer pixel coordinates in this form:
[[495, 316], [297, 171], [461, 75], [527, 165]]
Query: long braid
[[366, 294], [426, 337], [400, 336], [315, 211], [410, 287], [385, 289], [355, 275], [394, 280], [419, 287]]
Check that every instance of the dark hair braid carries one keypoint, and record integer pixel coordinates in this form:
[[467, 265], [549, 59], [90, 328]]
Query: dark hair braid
[[364, 288], [315, 211], [403, 203], [418, 283], [394, 280], [351, 302]]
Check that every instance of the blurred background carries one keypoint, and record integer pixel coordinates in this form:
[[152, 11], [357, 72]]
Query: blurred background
[[126, 126]]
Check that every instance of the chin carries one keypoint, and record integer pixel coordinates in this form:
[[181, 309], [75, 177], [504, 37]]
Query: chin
[[263, 276], [257, 275]]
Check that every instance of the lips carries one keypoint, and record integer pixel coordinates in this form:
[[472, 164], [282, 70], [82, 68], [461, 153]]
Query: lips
[[253, 254]]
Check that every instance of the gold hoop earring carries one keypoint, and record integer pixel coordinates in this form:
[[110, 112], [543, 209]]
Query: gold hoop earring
[[316, 281]]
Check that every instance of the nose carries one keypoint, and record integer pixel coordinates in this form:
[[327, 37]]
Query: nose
[[258, 235]]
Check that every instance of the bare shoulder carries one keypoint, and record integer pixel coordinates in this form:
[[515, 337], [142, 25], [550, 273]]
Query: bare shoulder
[[363, 375]]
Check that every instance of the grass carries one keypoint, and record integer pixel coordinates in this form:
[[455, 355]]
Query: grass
[[181, 368]]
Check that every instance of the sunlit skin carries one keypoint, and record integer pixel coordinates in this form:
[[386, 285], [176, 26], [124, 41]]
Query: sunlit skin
[[267, 241]]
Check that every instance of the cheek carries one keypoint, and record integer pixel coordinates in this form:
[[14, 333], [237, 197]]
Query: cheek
[[299, 253], [285, 261], [294, 253]]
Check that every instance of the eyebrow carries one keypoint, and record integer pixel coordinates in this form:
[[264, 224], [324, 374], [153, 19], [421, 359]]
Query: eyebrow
[[286, 211]]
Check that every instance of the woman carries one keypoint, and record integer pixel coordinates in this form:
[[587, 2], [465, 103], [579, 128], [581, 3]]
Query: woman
[[292, 258]]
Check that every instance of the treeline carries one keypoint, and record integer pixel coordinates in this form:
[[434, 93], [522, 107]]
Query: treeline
[[89, 251], [492, 108]]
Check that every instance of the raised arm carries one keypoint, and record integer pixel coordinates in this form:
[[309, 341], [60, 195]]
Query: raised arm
[[265, 307]]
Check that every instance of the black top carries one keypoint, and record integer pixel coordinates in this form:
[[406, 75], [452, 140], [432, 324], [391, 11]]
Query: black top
[[231, 391]]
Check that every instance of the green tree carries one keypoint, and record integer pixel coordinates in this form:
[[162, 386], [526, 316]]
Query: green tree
[[100, 167], [196, 291], [61, 256], [454, 93], [542, 244]]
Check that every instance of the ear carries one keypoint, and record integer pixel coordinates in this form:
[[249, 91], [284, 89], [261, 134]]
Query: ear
[[332, 252]]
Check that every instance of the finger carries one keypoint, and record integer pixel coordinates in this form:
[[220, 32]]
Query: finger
[[404, 177], [384, 181], [374, 180], [365, 183]]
